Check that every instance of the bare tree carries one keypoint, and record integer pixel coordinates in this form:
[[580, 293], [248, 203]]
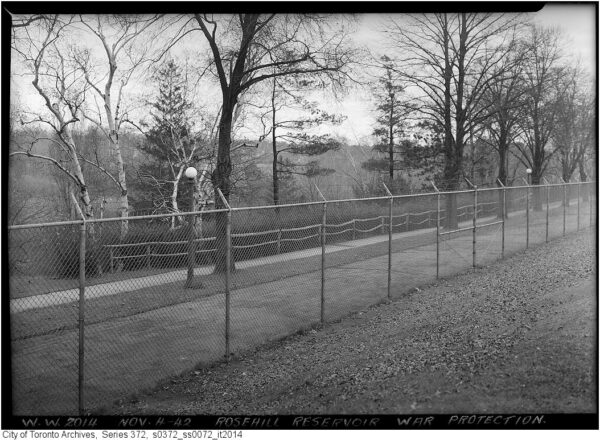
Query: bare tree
[[61, 88], [392, 108], [542, 71], [452, 59], [249, 48], [286, 118], [504, 98], [118, 36], [574, 135], [574, 131]]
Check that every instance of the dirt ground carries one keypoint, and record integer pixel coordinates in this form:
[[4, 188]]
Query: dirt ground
[[516, 336]]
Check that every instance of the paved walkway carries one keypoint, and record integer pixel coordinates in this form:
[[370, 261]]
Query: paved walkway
[[136, 283], [131, 284]]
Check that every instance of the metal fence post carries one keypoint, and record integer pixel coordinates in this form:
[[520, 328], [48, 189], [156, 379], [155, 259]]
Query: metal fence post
[[503, 214], [191, 254], [227, 283], [578, 198], [547, 207], [389, 272], [227, 276], [437, 234], [564, 207], [475, 228], [323, 240], [527, 215], [474, 221], [82, 248], [191, 245], [590, 192], [81, 307]]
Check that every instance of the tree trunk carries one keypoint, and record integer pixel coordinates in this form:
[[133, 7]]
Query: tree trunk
[[451, 183], [391, 147], [502, 154], [84, 195], [174, 195], [537, 193], [222, 180], [123, 196], [451, 212], [566, 179], [452, 175], [275, 170], [275, 177], [450, 167], [583, 178]]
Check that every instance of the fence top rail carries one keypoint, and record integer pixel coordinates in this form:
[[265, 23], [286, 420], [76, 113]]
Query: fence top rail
[[498, 188], [407, 196], [155, 216], [462, 191], [563, 184], [43, 225], [366, 199], [115, 219], [543, 185], [288, 205]]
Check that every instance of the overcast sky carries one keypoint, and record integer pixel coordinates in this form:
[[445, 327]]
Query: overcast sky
[[577, 22]]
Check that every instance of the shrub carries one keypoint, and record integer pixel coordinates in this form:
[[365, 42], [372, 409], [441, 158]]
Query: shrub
[[66, 253], [169, 247]]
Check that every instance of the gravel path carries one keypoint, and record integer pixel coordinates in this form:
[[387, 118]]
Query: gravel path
[[516, 336]]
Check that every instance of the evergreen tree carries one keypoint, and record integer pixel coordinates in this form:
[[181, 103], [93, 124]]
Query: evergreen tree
[[291, 145], [171, 122], [171, 142], [390, 128]]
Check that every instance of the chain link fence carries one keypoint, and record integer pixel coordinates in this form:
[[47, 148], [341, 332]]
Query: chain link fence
[[103, 309]]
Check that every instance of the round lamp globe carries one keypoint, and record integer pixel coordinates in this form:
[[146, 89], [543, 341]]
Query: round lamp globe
[[528, 170], [191, 173]]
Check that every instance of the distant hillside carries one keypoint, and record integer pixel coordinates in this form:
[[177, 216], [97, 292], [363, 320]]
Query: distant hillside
[[347, 163]]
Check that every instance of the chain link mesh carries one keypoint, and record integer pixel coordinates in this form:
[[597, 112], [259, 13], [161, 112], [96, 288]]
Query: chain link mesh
[[414, 230], [159, 300], [275, 284], [43, 289]]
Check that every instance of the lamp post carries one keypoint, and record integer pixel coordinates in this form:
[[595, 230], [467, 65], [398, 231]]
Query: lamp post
[[191, 173]]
